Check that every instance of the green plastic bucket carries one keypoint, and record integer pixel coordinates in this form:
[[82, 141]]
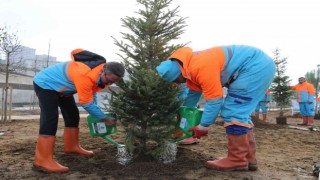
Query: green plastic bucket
[[188, 118], [99, 128]]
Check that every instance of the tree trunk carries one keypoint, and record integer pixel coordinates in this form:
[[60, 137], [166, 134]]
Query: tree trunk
[[281, 113], [281, 120], [6, 89], [143, 148]]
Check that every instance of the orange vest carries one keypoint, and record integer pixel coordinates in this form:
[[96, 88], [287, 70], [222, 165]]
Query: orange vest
[[202, 70], [85, 80], [304, 90]]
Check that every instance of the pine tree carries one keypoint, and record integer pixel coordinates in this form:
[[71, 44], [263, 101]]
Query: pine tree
[[280, 88], [147, 105]]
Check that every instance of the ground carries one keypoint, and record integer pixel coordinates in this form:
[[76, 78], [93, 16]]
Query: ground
[[282, 153]]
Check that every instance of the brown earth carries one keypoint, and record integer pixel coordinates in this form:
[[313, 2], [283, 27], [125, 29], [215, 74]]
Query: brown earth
[[282, 153]]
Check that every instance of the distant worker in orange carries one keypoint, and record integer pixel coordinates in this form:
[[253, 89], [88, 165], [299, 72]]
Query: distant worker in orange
[[306, 98], [263, 106]]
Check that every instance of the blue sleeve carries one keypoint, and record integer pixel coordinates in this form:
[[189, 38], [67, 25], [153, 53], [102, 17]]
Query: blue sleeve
[[311, 98], [184, 92], [192, 98], [268, 97], [95, 98], [94, 110], [210, 112]]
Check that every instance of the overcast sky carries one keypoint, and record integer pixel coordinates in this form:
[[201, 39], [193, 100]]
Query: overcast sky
[[290, 25]]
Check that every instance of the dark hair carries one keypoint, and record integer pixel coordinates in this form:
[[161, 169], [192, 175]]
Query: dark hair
[[175, 59], [114, 68]]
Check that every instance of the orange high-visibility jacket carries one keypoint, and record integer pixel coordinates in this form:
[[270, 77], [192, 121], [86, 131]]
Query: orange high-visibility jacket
[[305, 92], [201, 70], [81, 76], [84, 78]]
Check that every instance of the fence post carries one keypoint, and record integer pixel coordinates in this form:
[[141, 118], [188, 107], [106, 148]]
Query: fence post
[[10, 102], [2, 106]]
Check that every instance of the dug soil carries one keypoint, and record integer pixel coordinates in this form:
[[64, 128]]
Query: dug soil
[[282, 153]]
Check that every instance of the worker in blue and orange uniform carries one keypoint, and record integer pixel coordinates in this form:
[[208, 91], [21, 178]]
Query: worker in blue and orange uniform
[[306, 99], [246, 71], [55, 87], [263, 106]]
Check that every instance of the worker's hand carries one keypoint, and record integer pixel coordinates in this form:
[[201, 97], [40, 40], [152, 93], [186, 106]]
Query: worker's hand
[[309, 102], [110, 121], [199, 131]]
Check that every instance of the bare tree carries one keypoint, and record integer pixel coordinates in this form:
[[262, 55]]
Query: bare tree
[[9, 44], [35, 70]]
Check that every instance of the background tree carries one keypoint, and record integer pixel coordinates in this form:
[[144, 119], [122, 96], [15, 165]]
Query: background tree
[[9, 44], [311, 77], [280, 88], [147, 105]]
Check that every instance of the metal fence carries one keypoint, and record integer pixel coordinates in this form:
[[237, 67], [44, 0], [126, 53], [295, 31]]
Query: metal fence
[[21, 97]]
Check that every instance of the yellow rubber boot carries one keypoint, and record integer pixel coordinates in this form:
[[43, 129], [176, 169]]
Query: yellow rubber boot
[[71, 142], [44, 155]]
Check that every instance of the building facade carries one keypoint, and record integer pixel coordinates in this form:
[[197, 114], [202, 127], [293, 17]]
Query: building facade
[[26, 57]]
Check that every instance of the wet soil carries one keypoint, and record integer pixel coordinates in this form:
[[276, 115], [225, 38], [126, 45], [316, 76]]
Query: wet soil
[[282, 153]]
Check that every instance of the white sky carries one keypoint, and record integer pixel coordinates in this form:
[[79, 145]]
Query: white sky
[[290, 25]]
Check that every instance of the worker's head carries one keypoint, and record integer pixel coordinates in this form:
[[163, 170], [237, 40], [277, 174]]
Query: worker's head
[[112, 72], [301, 80], [169, 70]]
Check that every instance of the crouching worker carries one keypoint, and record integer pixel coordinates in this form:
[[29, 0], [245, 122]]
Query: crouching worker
[[86, 74], [246, 71]]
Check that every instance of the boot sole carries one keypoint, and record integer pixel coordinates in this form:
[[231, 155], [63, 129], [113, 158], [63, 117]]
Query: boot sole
[[228, 169], [44, 170], [78, 154], [252, 168]]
